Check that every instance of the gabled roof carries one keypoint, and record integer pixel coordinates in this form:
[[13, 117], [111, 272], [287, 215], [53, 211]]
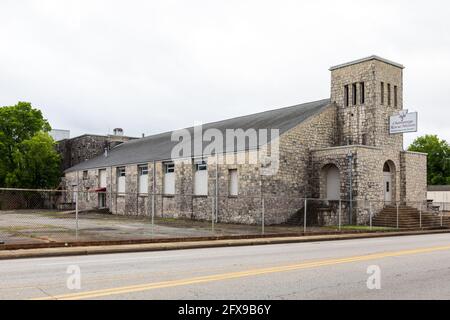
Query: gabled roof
[[159, 147]]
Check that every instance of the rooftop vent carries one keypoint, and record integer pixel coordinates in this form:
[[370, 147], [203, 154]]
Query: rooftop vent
[[118, 132]]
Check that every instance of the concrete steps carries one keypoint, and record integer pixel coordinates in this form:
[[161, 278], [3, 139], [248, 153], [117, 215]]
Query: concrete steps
[[408, 218]]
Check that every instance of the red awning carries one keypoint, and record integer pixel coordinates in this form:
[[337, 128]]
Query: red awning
[[100, 190]]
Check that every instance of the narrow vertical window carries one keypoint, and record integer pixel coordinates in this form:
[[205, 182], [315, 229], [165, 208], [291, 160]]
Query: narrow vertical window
[[201, 178], [102, 178], [169, 178], [362, 93], [364, 139], [121, 180], [354, 89], [395, 96], [143, 179], [346, 96], [233, 182], [382, 93], [389, 94]]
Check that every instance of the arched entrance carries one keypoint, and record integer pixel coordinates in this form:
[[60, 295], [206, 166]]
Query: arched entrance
[[331, 182], [388, 181]]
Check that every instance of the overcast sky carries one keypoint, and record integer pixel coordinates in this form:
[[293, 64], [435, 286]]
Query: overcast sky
[[152, 66]]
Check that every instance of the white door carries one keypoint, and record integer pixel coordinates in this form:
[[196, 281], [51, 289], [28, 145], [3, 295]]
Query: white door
[[387, 187]]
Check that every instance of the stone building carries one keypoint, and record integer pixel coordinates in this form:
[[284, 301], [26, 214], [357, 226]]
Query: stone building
[[337, 148], [87, 146]]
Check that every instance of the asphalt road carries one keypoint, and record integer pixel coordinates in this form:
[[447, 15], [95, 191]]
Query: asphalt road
[[412, 267]]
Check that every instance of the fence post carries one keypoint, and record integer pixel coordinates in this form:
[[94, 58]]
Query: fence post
[[420, 215], [212, 213], [110, 190], [76, 207], [153, 196], [216, 214], [340, 213], [304, 218], [263, 215], [397, 215], [442, 214]]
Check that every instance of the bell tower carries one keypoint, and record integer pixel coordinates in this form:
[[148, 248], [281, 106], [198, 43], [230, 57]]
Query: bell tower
[[367, 92]]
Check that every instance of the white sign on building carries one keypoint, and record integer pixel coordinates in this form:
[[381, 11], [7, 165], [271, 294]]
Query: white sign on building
[[403, 122]]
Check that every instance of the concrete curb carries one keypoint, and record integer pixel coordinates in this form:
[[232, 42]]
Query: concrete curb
[[77, 251]]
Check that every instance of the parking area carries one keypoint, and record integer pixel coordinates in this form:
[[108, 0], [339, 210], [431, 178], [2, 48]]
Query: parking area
[[43, 226]]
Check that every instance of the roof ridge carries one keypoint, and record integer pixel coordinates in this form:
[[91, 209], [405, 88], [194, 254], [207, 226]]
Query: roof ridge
[[158, 147], [228, 119]]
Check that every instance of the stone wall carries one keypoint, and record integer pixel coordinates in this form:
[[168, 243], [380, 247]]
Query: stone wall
[[414, 188], [368, 123], [76, 150], [283, 192], [367, 177]]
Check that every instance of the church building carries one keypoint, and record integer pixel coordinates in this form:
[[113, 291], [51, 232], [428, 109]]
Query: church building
[[339, 149]]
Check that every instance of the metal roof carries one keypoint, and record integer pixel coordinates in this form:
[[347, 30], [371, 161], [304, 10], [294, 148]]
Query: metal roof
[[159, 147]]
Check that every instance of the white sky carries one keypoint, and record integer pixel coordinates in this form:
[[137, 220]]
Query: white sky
[[152, 66]]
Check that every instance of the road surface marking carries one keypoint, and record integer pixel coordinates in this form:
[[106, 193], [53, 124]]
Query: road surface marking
[[236, 275]]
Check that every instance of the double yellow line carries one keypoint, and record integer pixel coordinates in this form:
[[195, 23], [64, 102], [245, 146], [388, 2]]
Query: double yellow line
[[236, 275]]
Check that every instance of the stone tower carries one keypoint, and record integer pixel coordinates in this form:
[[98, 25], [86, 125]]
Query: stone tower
[[366, 92]]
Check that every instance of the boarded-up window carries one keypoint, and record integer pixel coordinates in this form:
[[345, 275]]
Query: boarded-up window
[[201, 178], [102, 178], [143, 179], [233, 182], [169, 178], [121, 180], [333, 183]]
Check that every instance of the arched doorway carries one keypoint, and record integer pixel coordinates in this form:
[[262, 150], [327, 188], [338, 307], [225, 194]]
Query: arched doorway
[[388, 181], [331, 182]]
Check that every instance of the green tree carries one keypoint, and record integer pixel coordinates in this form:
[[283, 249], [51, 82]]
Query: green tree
[[28, 158], [438, 158]]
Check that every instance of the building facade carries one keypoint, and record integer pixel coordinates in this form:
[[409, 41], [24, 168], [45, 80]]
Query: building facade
[[87, 146], [334, 149]]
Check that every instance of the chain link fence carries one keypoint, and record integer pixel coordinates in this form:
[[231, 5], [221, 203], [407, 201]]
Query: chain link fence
[[54, 216]]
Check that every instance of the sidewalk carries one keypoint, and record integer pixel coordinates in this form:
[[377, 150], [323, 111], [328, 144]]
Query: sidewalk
[[162, 246]]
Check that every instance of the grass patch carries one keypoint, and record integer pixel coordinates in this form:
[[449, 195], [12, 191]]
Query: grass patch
[[363, 228]]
